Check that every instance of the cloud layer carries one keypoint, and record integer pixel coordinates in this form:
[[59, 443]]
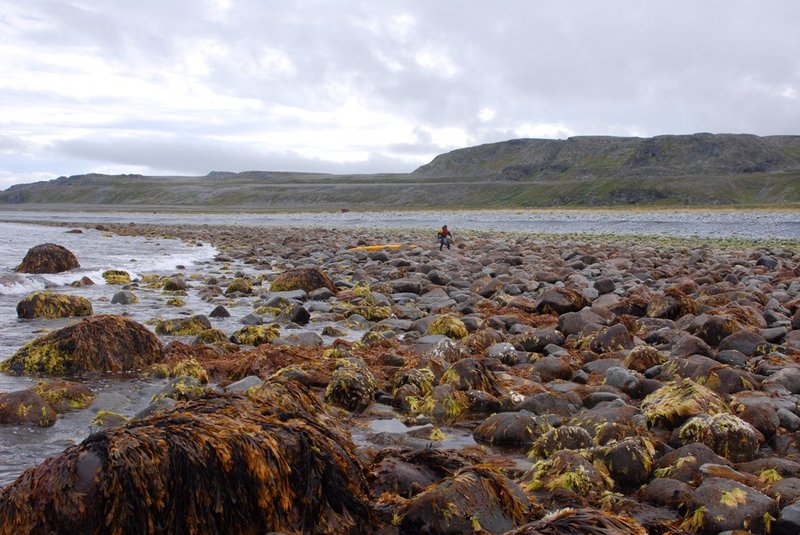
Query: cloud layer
[[188, 87]]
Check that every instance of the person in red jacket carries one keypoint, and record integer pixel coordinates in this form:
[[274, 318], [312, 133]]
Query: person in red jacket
[[445, 237]]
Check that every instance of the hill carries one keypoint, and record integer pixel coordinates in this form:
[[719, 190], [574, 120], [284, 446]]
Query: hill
[[698, 169]]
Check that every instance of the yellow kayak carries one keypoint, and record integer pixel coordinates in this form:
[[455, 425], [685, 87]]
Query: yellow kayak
[[381, 247]]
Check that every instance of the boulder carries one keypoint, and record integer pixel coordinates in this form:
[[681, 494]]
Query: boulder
[[48, 258], [103, 343], [53, 305], [727, 435], [511, 429], [249, 471], [679, 400], [720, 504], [581, 521], [307, 279], [25, 407], [473, 496], [183, 326], [116, 276]]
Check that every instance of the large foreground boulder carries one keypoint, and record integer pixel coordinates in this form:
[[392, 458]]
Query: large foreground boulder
[[219, 464], [307, 279], [53, 305], [103, 343], [48, 258]]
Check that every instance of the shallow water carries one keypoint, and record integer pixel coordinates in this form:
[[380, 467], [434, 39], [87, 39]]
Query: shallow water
[[752, 224]]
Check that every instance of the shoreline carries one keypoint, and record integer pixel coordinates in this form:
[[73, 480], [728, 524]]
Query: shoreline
[[591, 345]]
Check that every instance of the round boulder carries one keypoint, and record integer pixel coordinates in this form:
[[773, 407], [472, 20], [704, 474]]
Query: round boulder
[[48, 258], [511, 429], [103, 343], [52, 305]]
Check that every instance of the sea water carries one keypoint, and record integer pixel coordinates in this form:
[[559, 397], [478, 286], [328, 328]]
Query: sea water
[[97, 251]]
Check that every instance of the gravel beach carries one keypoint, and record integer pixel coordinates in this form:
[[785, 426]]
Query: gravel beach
[[645, 385]]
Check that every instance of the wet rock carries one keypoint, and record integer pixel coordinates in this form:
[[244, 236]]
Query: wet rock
[[295, 314], [721, 504], [559, 301], [511, 428], [245, 384], [470, 374], [183, 326], [64, 396], [306, 279], [25, 407], [623, 379], [679, 400], [102, 343], [571, 472], [475, 496], [124, 297], [578, 521], [667, 492], [408, 472], [48, 258], [239, 285], [351, 386], [449, 326], [552, 368], [560, 438], [727, 435], [116, 276], [536, 340], [642, 358], [788, 522], [614, 338], [123, 479], [684, 463], [744, 341], [575, 322], [52, 305], [690, 345]]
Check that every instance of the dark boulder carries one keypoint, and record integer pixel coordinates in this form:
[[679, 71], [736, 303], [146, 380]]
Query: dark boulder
[[53, 305], [103, 343], [48, 258], [252, 468]]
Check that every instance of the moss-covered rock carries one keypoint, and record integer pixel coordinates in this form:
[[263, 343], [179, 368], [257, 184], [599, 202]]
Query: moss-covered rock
[[640, 358], [472, 499], [103, 343], [249, 472], [183, 368], [444, 403], [183, 326], [629, 461], [567, 437], [726, 434], [239, 285], [116, 276], [569, 471], [511, 429], [176, 302], [581, 521], [63, 396], [211, 336], [351, 386], [719, 505], [679, 400], [471, 374], [449, 326], [53, 305], [255, 335], [307, 279], [25, 407], [48, 258]]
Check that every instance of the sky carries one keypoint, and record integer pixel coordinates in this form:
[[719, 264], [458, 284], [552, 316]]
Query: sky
[[186, 87]]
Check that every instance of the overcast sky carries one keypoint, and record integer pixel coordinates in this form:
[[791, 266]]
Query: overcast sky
[[186, 87]]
